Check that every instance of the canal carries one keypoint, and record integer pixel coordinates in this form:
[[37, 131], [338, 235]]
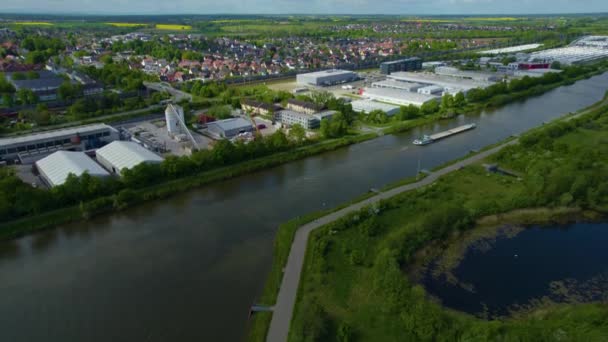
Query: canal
[[188, 268]]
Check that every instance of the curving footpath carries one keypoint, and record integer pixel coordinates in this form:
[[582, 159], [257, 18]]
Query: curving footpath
[[286, 300]]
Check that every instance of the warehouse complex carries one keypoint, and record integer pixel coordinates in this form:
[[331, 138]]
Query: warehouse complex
[[511, 49], [55, 168], [583, 50], [370, 106], [35, 146], [450, 84], [394, 84], [327, 77], [407, 64], [121, 155], [469, 75], [398, 97], [229, 128]]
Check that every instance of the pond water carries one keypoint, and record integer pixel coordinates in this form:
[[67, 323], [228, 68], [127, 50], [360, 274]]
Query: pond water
[[563, 263]]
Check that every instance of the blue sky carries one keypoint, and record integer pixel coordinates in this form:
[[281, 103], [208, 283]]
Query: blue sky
[[304, 6]]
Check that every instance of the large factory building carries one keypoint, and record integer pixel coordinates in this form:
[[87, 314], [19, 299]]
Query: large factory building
[[32, 147], [327, 77], [407, 64]]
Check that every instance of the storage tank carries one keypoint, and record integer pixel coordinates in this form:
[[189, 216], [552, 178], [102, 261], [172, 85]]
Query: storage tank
[[173, 116]]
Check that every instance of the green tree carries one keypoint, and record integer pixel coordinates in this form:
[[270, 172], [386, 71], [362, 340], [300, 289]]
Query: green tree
[[297, 133], [459, 100], [7, 100], [447, 101], [430, 107], [26, 96]]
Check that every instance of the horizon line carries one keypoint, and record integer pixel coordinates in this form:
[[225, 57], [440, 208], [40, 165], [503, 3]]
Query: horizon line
[[297, 14]]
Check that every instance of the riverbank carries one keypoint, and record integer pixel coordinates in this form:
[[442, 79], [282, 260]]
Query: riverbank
[[86, 210], [353, 283]]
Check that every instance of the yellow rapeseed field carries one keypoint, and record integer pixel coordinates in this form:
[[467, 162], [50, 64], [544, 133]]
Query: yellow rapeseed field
[[173, 27], [34, 23]]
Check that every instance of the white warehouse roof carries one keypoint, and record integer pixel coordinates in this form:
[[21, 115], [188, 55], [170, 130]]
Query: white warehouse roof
[[398, 97], [125, 154], [330, 72], [511, 49], [56, 167], [369, 105]]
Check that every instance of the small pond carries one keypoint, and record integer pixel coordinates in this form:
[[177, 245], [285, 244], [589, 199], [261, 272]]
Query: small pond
[[516, 269]]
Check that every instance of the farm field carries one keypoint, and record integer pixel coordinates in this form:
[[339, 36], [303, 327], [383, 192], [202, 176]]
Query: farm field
[[125, 24], [172, 27], [34, 23]]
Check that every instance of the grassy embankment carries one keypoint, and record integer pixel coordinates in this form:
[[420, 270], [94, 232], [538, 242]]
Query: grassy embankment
[[353, 285], [282, 246]]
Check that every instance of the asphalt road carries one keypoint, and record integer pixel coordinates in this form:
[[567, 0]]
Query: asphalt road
[[283, 309]]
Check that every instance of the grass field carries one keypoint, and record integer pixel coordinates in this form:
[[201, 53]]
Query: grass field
[[172, 27], [126, 24]]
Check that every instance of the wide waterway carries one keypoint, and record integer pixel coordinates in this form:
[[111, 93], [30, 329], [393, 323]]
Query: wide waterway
[[187, 268]]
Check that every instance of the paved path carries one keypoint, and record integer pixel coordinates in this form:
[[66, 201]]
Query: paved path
[[286, 300]]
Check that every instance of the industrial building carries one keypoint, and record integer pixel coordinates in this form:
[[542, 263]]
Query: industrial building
[[407, 64], [120, 155], [369, 106], [29, 148], [584, 50], [471, 75], [229, 128], [55, 168], [431, 90], [393, 84], [326, 78], [451, 85], [45, 86], [432, 65], [511, 49], [534, 72], [398, 97], [290, 117]]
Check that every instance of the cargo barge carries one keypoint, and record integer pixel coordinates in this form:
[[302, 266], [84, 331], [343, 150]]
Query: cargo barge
[[428, 139]]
